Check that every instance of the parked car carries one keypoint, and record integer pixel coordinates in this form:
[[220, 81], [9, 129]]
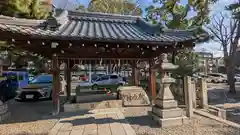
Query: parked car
[[217, 77], [39, 88], [96, 76], [106, 81], [237, 77], [21, 77], [8, 88], [30, 77]]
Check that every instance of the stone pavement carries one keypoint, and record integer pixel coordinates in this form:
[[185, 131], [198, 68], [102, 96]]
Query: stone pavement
[[109, 121]]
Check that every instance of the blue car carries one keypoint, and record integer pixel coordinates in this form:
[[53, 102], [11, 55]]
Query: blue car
[[8, 88], [21, 77]]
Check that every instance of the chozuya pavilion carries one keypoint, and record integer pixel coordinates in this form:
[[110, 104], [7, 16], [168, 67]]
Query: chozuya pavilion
[[74, 37]]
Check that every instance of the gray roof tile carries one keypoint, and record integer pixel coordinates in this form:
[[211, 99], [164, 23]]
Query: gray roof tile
[[98, 26]]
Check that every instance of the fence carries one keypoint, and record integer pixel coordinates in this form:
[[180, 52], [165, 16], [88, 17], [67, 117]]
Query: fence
[[197, 91], [178, 91]]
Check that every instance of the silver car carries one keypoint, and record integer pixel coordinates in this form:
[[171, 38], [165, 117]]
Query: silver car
[[108, 81], [217, 77]]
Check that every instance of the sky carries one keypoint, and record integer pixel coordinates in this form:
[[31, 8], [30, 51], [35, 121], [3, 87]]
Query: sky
[[210, 46]]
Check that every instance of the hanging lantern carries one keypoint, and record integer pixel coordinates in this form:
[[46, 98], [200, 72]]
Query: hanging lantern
[[81, 67], [63, 66], [141, 65]]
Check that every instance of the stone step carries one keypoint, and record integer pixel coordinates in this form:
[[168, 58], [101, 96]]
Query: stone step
[[68, 107]]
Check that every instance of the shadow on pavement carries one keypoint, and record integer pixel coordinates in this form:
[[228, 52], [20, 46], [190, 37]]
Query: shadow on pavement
[[32, 110], [135, 120]]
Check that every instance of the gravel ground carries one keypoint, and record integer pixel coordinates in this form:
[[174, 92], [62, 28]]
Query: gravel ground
[[28, 118], [143, 125]]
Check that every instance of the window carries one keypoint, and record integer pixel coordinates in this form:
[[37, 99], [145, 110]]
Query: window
[[113, 77], [20, 77], [214, 75], [43, 79], [103, 78]]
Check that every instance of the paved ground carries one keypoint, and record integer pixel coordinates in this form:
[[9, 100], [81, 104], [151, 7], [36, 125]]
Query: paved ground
[[142, 123], [28, 118], [218, 95], [32, 118], [109, 121]]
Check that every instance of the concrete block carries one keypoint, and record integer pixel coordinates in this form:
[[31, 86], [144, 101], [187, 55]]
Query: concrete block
[[166, 104], [167, 113], [171, 122]]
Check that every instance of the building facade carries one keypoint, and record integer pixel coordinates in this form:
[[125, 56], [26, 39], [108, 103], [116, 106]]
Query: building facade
[[205, 62]]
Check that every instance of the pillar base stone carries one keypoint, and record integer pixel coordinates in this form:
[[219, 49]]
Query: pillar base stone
[[167, 113], [170, 122], [166, 104]]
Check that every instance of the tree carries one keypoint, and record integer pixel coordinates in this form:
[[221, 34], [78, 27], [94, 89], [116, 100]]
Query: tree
[[226, 31], [188, 62], [34, 9], [81, 8], [112, 6], [172, 14]]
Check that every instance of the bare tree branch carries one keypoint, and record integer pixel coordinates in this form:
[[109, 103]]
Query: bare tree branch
[[223, 28]]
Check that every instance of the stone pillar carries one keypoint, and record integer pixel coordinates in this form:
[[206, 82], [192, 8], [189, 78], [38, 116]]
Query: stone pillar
[[166, 111], [188, 96], [194, 94], [203, 93]]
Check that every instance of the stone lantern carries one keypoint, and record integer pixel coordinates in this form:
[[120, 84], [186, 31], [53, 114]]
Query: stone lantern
[[166, 111]]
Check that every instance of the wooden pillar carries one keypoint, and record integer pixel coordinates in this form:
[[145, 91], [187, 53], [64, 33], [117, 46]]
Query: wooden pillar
[[68, 81], [152, 82], [1, 70], [56, 83], [1, 67], [135, 73]]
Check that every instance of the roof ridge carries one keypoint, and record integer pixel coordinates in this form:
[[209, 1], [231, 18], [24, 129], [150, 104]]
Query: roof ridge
[[102, 15], [181, 30]]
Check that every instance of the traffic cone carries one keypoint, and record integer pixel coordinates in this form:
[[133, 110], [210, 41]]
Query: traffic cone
[[109, 93]]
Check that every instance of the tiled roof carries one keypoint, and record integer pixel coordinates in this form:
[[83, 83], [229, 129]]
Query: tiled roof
[[96, 27]]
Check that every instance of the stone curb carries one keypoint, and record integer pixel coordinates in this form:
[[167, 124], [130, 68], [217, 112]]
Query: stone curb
[[4, 116], [229, 123]]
